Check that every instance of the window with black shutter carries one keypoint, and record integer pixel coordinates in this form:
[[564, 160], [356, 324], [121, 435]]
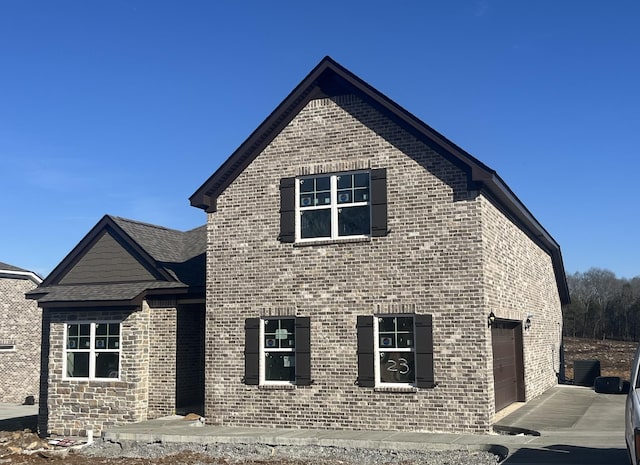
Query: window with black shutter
[[278, 351], [395, 350], [333, 206]]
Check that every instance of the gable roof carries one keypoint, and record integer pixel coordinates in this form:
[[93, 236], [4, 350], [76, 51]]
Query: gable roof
[[329, 78], [13, 272], [162, 261]]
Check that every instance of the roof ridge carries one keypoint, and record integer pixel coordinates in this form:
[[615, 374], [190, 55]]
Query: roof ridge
[[153, 225], [143, 223]]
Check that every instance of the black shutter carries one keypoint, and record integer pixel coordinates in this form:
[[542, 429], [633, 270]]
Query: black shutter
[[287, 210], [379, 202], [364, 328], [252, 351], [303, 351], [424, 351]]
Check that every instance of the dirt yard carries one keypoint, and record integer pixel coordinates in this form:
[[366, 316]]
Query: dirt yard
[[615, 356]]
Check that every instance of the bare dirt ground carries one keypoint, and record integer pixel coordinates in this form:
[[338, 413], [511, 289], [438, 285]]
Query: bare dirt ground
[[18, 445], [615, 356]]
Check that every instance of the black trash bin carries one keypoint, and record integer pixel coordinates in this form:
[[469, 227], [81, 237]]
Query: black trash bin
[[608, 385]]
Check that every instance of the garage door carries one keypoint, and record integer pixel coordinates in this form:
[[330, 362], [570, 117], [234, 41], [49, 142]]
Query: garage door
[[508, 372]]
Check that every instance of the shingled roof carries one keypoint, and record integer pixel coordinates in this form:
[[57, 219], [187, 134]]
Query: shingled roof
[[163, 261]]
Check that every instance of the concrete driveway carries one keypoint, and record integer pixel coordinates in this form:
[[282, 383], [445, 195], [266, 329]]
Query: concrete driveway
[[576, 426]]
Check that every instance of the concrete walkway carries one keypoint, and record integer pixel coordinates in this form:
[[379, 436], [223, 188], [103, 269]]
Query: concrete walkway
[[567, 424], [10, 411]]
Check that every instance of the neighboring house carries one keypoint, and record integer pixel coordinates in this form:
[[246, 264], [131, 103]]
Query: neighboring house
[[364, 272], [123, 328], [19, 335]]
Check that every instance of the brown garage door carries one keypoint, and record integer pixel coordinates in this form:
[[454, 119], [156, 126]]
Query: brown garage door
[[508, 372]]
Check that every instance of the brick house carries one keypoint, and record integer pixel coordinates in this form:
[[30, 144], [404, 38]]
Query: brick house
[[364, 272], [123, 328], [19, 335]]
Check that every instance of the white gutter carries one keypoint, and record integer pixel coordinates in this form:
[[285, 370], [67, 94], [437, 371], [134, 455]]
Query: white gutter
[[23, 275]]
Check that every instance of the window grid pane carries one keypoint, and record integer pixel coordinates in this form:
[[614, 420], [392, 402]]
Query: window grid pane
[[279, 366], [279, 334], [397, 367], [78, 364], [353, 188], [315, 192]]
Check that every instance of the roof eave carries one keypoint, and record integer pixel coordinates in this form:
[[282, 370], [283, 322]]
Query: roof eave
[[21, 275]]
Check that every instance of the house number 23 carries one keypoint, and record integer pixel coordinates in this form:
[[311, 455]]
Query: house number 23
[[400, 365]]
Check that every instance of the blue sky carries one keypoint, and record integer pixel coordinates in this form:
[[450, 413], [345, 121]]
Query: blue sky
[[126, 107]]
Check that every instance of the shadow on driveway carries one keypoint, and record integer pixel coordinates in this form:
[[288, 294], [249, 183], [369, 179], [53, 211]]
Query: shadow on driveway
[[19, 423], [568, 455]]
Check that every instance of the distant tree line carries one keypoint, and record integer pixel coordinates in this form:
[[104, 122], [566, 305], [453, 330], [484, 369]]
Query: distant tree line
[[603, 306]]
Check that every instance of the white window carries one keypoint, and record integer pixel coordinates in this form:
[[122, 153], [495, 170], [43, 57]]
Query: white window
[[333, 206], [278, 350], [7, 346], [92, 350], [395, 350]]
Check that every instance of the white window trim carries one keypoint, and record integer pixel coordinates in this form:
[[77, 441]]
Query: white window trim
[[334, 207], [377, 351], [91, 351], [292, 351]]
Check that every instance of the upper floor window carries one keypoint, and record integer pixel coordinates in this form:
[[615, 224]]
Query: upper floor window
[[7, 346], [92, 350], [334, 206]]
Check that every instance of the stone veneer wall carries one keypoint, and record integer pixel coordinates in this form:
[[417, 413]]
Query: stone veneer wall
[[519, 281], [20, 324], [73, 406], [430, 262]]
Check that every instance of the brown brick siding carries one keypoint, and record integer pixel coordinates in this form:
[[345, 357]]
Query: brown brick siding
[[431, 260], [162, 358], [518, 282], [19, 323]]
